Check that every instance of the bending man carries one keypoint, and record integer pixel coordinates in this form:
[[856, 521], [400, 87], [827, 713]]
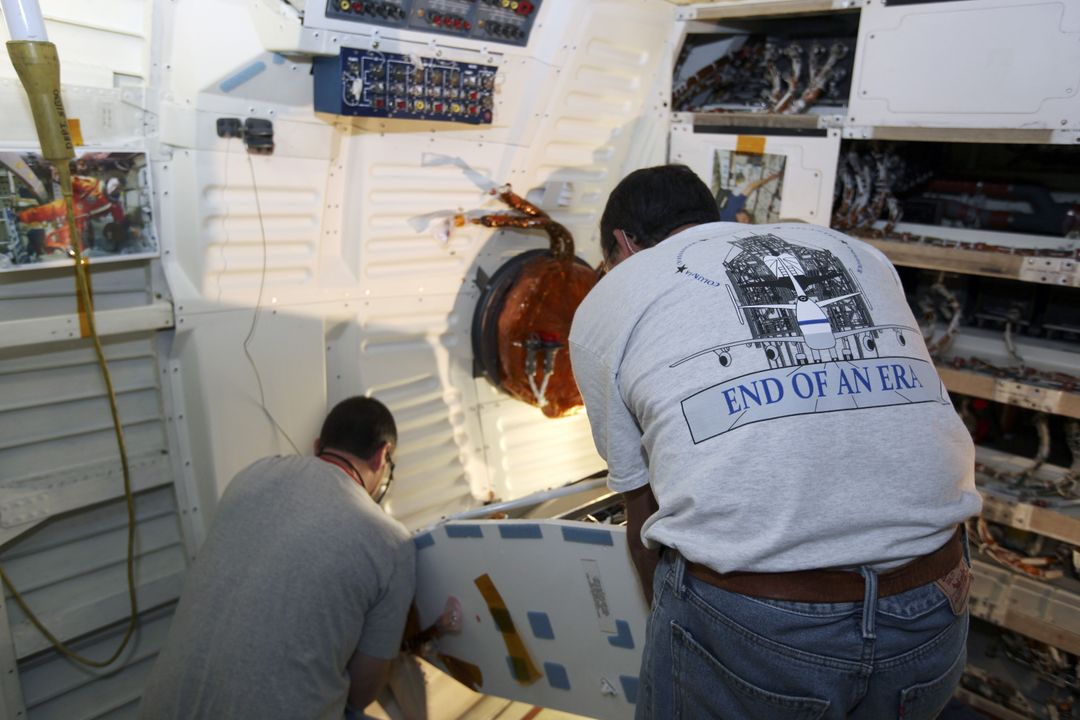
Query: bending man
[[793, 468], [296, 603]]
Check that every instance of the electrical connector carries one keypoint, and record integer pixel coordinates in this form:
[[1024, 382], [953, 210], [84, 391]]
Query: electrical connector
[[259, 135], [230, 128]]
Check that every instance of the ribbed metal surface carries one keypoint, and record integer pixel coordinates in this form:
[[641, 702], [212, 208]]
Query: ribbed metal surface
[[396, 200], [405, 352], [287, 192], [71, 571], [613, 52], [59, 483], [530, 452], [42, 293], [54, 414]]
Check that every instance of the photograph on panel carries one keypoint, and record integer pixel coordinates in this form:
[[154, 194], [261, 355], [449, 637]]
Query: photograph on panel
[[748, 187], [112, 201]]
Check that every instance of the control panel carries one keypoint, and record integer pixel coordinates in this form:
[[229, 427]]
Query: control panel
[[501, 21], [367, 83]]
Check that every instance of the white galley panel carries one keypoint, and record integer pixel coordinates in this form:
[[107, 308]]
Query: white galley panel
[[970, 64]]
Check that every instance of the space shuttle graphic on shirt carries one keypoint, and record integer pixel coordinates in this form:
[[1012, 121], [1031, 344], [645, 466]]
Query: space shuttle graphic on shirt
[[809, 323]]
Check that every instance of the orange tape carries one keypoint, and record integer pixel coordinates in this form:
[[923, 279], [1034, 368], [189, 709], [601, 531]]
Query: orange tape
[[464, 672], [750, 144], [524, 669], [75, 130]]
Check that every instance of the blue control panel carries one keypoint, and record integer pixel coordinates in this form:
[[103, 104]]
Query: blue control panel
[[502, 21], [367, 83]]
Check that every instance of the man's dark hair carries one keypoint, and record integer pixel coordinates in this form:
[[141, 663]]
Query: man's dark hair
[[651, 202], [358, 425]]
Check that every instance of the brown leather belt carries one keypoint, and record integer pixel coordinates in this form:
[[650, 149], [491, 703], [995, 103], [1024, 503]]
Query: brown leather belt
[[830, 586]]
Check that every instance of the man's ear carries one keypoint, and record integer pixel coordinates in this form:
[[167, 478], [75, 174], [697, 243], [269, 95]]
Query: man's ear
[[380, 457], [316, 446]]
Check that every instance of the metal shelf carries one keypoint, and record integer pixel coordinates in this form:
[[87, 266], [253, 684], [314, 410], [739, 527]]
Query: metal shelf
[[1010, 392], [841, 121], [1048, 270], [768, 8], [980, 703], [912, 133], [1003, 504], [1045, 611], [763, 120]]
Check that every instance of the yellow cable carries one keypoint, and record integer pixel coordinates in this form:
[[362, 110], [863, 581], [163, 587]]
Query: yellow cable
[[38, 69]]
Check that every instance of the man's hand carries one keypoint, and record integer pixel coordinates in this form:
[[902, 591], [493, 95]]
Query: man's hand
[[450, 620], [640, 504]]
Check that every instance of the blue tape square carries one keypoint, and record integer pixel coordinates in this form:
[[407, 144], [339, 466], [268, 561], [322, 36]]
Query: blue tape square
[[464, 531], [629, 688], [623, 637], [521, 531], [589, 536], [557, 676], [423, 541], [541, 625]]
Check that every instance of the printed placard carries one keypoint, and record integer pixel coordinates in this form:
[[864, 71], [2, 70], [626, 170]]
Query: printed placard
[[112, 198], [822, 387]]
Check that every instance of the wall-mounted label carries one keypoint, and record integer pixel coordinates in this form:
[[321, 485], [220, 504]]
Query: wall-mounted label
[[599, 597]]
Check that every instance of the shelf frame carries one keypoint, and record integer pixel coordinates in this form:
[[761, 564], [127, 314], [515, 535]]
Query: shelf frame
[[1045, 611]]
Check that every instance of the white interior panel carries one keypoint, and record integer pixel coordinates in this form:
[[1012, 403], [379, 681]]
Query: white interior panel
[[531, 452], [809, 171], [976, 63], [233, 211], [396, 196], [226, 420], [108, 117], [407, 352], [351, 211], [95, 41]]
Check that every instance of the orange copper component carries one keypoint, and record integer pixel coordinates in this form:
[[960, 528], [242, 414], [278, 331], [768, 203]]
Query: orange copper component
[[536, 320], [464, 672], [532, 217], [537, 308]]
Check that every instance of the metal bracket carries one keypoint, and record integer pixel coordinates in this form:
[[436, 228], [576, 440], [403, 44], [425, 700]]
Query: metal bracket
[[1052, 271], [1027, 396]]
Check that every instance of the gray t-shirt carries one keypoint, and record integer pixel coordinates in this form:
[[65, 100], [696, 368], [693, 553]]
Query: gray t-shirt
[[772, 386], [300, 570]]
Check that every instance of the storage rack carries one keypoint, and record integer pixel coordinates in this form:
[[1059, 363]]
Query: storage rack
[[896, 96]]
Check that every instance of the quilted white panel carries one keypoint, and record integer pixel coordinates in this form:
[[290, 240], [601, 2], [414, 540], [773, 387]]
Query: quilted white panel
[[972, 64]]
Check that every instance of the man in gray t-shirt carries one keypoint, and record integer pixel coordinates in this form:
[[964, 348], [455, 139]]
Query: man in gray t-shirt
[[297, 600], [766, 404]]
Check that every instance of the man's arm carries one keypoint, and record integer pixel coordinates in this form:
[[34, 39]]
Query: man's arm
[[640, 504], [367, 675]]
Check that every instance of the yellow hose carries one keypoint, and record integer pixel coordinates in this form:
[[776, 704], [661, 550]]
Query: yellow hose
[[38, 67]]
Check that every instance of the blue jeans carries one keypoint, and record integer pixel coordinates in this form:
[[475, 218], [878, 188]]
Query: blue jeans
[[716, 654]]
